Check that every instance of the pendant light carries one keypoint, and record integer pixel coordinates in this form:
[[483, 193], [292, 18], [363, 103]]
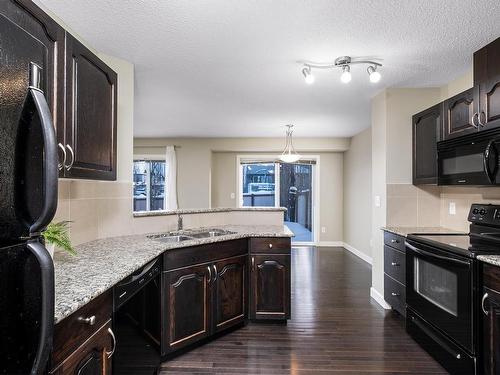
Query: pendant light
[[289, 155]]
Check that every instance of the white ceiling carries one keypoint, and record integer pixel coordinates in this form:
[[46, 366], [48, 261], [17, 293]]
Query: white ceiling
[[210, 68]]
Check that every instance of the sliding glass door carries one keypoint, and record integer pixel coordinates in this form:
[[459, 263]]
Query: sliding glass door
[[267, 183]]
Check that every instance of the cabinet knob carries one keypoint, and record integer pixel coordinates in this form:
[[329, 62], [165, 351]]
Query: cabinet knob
[[270, 245], [394, 241], [394, 294], [90, 320], [394, 264]]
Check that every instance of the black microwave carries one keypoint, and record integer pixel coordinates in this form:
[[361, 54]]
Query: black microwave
[[470, 160]]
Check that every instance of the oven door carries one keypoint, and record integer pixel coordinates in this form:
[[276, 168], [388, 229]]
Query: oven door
[[469, 161], [439, 289]]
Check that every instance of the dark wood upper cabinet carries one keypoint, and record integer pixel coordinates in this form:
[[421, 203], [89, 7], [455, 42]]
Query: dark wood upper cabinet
[[426, 133], [487, 85], [230, 292], [90, 128], [187, 306], [458, 114], [270, 278]]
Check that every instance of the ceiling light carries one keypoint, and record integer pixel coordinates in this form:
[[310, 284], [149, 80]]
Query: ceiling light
[[289, 155], [308, 77], [343, 62], [346, 74], [373, 74]]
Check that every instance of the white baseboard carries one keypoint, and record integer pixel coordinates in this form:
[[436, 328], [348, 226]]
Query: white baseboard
[[379, 298], [358, 253], [330, 244]]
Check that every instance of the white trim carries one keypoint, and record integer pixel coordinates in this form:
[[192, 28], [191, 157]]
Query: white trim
[[330, 244], [377, 297], [149, 157], [358, 253]]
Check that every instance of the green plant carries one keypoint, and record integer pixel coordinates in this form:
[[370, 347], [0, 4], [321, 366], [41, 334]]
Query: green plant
[[57, 234]]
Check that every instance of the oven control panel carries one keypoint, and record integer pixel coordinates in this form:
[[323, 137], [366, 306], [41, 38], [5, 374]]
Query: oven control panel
[[488, 214]]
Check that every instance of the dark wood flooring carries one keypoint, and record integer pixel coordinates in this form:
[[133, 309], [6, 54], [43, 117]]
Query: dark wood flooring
[[335, 329]]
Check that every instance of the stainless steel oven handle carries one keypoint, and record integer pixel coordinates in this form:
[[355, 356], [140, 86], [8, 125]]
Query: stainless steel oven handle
[[483, 300], [441, 257]]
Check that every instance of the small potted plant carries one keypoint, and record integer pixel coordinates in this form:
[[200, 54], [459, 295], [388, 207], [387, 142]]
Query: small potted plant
[[56, 235]]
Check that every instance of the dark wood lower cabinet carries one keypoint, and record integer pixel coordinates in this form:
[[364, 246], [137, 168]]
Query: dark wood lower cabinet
[[93, 357], [490, 306], [270, 286], [187, 306], [230, 292]]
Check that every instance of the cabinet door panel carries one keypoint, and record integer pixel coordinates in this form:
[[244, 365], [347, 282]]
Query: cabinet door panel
[[487, 84], [230, 292], [426, 134], [90, 114], [91, 358], [491, 332], [187, 306], [457, 115], [270, 287]]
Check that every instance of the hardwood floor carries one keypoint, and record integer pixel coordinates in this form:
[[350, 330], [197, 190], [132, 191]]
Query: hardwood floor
[[335, 329]]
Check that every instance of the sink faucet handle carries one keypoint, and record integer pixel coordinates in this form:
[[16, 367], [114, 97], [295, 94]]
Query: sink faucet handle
[[179, 222]]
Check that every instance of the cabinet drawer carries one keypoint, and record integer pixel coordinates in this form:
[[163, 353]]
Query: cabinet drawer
[[395, 264], [394, 240], [189, 256], [395, 294], [491, 276], [270, 245], [71, 332]]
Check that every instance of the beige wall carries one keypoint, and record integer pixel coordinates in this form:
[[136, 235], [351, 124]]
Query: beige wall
[[357, 192]]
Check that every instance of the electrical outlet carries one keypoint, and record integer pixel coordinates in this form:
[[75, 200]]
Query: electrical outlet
[[452, 208], [377, 200], [323, 229], [233, 195]]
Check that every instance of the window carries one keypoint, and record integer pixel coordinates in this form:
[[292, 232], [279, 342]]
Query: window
[[258, 184], [149, 185]]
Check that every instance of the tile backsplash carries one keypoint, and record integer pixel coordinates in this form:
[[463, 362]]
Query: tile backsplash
[[409, 205]]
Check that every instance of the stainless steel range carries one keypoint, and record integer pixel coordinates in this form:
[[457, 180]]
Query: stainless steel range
[[442, 296]]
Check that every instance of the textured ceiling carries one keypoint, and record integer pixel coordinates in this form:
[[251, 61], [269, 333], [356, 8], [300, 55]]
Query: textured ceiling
[[228, 68]]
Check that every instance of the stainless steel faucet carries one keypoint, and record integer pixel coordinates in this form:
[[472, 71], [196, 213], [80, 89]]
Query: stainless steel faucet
[[179, 222]]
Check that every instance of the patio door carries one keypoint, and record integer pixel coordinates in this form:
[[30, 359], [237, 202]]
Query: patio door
[[270, 183]]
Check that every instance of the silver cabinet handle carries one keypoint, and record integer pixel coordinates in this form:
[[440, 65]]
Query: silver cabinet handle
[[209, 274], [394, 264], [479, 117], [215, 272], [110, 354], [253, 262], [473, 120], [70, 165], [60, 166], [90, 321], [483, 300], [270, 245], [394, 294]]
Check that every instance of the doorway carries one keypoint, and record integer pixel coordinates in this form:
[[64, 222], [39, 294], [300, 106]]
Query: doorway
[[265, 182]]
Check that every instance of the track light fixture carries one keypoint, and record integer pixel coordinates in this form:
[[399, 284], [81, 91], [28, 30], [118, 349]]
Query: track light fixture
[[343, 62]]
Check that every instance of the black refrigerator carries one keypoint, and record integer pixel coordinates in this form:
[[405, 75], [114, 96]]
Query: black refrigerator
[[28, 200]]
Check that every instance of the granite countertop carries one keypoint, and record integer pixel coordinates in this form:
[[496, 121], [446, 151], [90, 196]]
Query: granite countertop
[[405, 231], [101, 264], [205, 210], [491, 259]]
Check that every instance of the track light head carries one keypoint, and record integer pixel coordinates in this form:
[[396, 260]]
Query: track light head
[[308, 77], [373, 74], [346, 77]]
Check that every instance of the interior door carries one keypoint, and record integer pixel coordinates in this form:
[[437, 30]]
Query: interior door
[[187, 306], [230, 291]]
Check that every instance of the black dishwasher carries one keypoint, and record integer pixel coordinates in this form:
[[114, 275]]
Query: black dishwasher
[[136, 322]]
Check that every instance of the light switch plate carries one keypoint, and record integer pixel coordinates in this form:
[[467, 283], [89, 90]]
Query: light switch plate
[[377, 200], [453, 208], [323, 229]]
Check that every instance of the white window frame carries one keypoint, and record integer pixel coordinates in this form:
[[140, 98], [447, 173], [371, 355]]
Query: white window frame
[[148, 157]]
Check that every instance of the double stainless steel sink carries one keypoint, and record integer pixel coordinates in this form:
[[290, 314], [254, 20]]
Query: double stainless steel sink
[[173, 237]]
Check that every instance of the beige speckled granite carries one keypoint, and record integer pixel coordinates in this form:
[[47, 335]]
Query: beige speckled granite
[[491, 259], [205, 210], [101, 264], [405, 231]]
